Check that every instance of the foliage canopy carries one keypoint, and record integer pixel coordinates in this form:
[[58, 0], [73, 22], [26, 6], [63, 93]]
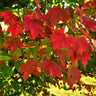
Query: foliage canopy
[[45, 41]]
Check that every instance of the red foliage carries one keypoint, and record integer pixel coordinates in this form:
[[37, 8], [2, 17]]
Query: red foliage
[[75, 73], [86, 34], [13, 44], [31, 66], [37, 1], [79, 45], [79, 13], [70, 82], [34, 25], [94, 4], [86, 5], [66, 14], [59, 39], [84, 57], [8, 17], [63, 55], [66, 47], [52, 68], [48, 30], [56, 14], [89, 23], [78, 50], [15, 30]]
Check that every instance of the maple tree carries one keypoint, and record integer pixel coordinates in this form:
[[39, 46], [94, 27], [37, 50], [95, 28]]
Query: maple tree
[[41, 39]]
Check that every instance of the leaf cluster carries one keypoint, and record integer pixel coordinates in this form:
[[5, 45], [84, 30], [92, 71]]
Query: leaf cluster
[[41, 44]]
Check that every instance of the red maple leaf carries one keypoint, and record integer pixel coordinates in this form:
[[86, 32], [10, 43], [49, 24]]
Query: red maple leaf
[[70, 81], [63, 56], [94, 4], [13, 43], [52, 68], [84, 58], [73, 55], [86, 34], [79, 44], [89, 23], [79, 13], [66, 14], [86, 5], [59, 39], [35, 26], [75, 73], [37, 1], [73, 29], [48, 30], [84, 43], [56, 14], [31, 66], [41, 15], [15, 30], [8, 17]]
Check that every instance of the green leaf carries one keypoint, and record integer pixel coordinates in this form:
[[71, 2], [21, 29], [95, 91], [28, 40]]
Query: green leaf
[[6, 71], [68, 1], [43, 76], [15, 86], [8, 86], [18, 64], [32, 43], [1, 40], [4, 55], [48, 50], [17, 53], [32, 51], [73, 1], [46, 40], [51, 79], [3, 83]]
